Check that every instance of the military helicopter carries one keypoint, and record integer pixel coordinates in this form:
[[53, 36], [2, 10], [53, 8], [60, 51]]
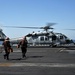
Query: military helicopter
[[2, 36], [45, 38]]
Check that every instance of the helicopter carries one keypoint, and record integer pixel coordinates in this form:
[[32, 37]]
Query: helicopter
[[2, 36], [45, 38]]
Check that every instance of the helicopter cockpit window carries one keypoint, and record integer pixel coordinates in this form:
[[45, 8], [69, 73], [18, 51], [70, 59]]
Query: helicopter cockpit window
[[42, 39], [61, 37]]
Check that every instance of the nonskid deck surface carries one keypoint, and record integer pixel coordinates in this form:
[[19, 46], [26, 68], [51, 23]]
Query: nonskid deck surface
[[39, 61]]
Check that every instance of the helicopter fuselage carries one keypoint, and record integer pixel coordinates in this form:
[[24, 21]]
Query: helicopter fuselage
[[47, 38]]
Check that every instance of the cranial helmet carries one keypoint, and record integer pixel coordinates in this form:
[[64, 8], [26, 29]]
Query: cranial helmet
[[7, 38]]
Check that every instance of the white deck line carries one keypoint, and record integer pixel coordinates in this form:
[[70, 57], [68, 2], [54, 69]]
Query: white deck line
[[57, 65]]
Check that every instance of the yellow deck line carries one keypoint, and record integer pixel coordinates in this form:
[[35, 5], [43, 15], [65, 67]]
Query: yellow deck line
[[6, 64]]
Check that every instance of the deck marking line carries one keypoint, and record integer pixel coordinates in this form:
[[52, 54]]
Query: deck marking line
[[37, 65]]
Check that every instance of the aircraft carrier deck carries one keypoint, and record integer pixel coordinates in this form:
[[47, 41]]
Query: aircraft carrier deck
[[39, 61]]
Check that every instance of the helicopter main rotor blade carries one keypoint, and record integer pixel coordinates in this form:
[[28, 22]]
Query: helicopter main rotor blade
[[48, 26], [22, 27], [70, 29]]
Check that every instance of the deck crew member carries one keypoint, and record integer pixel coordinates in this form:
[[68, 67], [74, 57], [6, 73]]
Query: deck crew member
[[23, 44]]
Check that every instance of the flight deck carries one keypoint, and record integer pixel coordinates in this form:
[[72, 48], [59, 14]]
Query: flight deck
[[39, 61]]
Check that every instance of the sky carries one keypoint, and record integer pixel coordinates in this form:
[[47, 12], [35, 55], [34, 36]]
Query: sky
[[37, 13]]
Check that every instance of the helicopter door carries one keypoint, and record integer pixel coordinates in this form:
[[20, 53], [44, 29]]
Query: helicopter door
[[41, 39], [47, 40], [44, 40], [54, 40]]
